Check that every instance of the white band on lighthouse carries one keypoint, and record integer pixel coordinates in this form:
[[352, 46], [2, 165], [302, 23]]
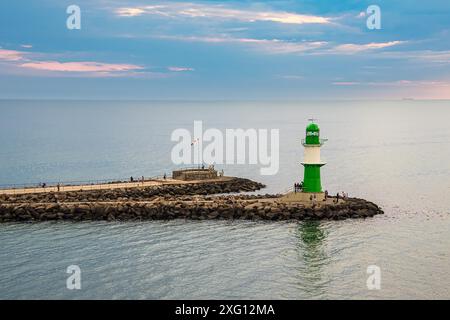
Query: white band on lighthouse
[[312, 154]]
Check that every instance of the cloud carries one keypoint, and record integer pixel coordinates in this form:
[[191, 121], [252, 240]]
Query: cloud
[[440, 57], [27, 46], [84, 66], [180, 69], [278, 46], [129, 12], [194, 10], [274, 46], [354, 48], [362, 14], [11, 55], [397, 83], [14, 60]]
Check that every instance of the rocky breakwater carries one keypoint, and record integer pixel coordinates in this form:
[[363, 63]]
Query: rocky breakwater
[[249, 207], [137, 193]]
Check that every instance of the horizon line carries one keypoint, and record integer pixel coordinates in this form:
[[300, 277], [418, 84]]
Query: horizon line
[[222, 100]]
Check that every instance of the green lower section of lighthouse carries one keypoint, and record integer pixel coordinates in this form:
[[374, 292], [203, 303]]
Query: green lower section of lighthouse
[[311, 179]]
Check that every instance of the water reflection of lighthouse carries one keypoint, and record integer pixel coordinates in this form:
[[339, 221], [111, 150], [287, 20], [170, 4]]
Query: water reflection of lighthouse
[[313, 258]]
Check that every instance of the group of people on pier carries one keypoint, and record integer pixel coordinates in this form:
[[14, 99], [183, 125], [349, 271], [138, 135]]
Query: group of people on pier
[[298, 187]]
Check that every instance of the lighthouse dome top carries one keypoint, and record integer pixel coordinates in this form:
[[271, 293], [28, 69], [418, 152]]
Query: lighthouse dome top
[[312, 134], [313, 127]]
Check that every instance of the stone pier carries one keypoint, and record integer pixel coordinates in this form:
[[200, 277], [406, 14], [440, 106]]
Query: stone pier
[[200, 200]]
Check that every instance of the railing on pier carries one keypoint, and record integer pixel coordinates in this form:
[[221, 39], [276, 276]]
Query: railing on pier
[[82, 184]]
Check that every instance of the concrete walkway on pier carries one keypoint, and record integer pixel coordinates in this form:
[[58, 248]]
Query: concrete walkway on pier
[[108, 186]]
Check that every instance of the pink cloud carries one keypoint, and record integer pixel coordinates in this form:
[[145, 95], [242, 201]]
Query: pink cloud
[[17, 59], [396, 83], [129, 12], [84, 66], [212, 11], [26, 64], [11, 55]]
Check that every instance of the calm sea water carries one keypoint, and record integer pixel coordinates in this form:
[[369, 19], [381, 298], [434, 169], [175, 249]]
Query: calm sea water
[[396, 154]]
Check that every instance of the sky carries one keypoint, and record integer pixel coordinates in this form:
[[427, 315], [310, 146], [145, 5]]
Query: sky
[[224, 50]]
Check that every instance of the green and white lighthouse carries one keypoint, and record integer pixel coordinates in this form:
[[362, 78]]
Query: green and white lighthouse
[[310, 190], [311, 161]]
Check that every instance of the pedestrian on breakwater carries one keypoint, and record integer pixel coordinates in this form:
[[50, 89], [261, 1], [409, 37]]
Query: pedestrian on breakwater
[[313, 200], [326, 195], [165, 177], [57, 187], [131, 179], [337, 197]]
